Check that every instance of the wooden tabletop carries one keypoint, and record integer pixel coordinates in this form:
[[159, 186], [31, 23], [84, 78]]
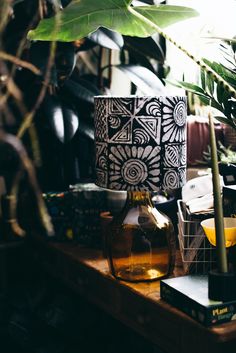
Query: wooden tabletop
[[137, 305]]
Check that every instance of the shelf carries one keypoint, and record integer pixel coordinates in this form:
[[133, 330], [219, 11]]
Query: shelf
[[137, 305]]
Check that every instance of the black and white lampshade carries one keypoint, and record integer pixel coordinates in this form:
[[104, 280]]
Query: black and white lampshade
[[140, 142]]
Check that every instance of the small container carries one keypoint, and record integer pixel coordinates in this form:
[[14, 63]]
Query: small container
[[198, 255], [229, 227]]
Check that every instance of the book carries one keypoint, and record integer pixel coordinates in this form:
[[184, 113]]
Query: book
[[190, 294]]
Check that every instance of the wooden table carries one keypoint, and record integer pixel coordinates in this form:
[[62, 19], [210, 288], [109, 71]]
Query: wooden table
[[137, 305]]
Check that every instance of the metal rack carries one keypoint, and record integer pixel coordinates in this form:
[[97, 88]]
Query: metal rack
[[198, 255]]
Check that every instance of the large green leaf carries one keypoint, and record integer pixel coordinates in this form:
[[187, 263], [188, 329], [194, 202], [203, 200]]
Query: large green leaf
[[82, 17]]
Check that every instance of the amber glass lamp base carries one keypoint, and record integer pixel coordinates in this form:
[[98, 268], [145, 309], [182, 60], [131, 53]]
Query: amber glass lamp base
[[140, 241]]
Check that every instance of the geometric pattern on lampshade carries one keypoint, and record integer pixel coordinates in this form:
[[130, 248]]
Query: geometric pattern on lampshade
[[140, 142]]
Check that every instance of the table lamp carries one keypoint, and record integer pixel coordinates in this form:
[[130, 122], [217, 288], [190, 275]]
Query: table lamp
[[140, 148]]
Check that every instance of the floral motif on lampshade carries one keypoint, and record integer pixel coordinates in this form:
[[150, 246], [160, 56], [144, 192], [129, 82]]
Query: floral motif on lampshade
[[140, 142]]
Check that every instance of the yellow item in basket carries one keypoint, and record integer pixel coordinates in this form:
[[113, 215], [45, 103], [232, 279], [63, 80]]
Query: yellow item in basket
[[230, 230]]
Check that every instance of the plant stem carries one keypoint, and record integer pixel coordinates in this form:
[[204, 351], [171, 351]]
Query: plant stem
[[218, 211], [53, 45], [205, 67]]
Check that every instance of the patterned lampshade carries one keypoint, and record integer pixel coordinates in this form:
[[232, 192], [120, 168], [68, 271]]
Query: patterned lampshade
[[140, 142]]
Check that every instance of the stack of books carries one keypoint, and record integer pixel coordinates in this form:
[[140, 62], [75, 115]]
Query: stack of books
[[190, 294]]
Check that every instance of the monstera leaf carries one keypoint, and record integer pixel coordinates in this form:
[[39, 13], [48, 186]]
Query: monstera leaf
[[82, 17]]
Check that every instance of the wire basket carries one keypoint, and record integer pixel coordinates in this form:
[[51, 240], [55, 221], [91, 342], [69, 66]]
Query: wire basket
[[198, 255]]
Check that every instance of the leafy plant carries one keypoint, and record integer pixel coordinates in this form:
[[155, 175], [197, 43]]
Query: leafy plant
[[225, 155], [141, 21], [47, 100], [63, 118], [211, 92], [80, 18]]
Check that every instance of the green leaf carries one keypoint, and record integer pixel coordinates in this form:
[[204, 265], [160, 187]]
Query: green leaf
[[223, 98], [224, 121], [82, 17], [220, 91], [165, 15], [143, 78], [216, 105], [210, 84], [205, 100], [203, 79], [226, 74], [190, 87]]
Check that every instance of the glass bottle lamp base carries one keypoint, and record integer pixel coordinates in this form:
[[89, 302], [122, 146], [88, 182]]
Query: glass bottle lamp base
[[140, 241]]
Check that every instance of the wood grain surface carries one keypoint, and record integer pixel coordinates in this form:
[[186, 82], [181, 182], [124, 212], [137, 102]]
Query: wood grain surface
[[137, 305]]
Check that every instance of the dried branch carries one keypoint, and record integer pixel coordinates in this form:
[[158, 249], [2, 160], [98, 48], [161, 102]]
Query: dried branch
[[12, 90], [29, 117], [5, 12], [12, 198], [25, 165], [17, 61]]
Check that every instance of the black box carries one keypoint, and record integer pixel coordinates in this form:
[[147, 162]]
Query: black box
[[229, 200]]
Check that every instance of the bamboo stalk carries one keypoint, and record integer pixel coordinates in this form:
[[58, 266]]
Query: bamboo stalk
[[218, 210]]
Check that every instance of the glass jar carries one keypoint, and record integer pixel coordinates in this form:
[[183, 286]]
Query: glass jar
[[140, 241]]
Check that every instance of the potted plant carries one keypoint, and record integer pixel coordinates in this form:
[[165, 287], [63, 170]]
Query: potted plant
[[63, 113], [56, 104], [210, 90], [77, 21]]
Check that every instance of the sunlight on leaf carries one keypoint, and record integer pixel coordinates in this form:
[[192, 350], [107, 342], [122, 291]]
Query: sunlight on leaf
[[80, 18]]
